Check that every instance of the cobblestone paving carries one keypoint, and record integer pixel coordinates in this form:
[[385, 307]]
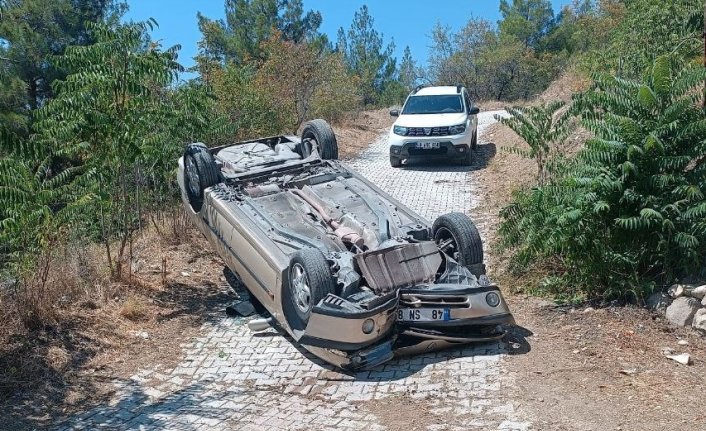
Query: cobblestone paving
[[231, 378]]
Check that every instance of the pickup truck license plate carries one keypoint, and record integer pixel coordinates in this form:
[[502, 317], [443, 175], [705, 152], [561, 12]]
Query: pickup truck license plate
[[423, 314], [428, 145]]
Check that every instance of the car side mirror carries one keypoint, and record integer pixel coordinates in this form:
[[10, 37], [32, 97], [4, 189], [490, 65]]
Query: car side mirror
[[395, 113], [474, 110]]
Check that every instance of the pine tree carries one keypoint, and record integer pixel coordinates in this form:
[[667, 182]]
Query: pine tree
[[526, 20], [366, 57], [409, 75], [248, 23], [36, 30]]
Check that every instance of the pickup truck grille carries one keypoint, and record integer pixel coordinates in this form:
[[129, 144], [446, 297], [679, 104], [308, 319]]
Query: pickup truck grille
[[433, 131], [432, 152]]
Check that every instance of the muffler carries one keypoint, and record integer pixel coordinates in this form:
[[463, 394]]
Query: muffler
[[259, 325]]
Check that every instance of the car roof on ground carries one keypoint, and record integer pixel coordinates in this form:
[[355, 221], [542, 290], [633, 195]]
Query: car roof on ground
[[437, 91]]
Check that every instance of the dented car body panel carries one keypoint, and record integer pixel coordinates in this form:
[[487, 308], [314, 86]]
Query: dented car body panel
[[273, 200]]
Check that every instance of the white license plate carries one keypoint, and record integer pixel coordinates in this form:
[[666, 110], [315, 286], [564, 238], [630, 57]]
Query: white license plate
[[428, 145], [422, 314]]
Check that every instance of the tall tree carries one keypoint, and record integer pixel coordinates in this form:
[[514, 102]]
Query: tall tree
[[248, 23], [36, 30], [440, 52], [526, 20], [14, 115], [366, 56], [409, 75], [108, 116]]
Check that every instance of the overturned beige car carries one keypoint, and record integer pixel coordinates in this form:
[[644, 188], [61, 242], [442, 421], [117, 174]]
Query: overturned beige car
[[349, 272]]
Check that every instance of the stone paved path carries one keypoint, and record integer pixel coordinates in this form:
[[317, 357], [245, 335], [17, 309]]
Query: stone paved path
[[230, 378]]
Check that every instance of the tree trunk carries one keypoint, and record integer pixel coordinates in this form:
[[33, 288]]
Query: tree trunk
[[106, 237], [32, 93]]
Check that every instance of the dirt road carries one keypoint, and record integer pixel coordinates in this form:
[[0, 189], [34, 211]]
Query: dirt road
[[233, 379]]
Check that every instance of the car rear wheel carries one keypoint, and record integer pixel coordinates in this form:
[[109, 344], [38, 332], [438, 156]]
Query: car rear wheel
[[200, 173], [395, 162], [458, 238], [319, 133], [309, 281]]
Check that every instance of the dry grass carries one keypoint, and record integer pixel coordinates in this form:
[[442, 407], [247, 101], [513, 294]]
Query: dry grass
[[357, 131], [581, 362], [564, 87], [64, 340], [133, 309]]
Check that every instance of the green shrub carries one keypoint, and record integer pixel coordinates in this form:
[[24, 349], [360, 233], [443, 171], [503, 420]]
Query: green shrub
[[543, 128], [629, 211]]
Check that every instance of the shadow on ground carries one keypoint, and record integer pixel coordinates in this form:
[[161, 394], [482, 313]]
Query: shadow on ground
[[481, 158], [36, 392], [137, 411], [201, 401], [514, 343]]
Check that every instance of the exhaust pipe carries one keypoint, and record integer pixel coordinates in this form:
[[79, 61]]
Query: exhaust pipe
[[258, 325]]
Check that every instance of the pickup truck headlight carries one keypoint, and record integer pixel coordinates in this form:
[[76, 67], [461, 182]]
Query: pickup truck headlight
[[399, 130], [457, 130]]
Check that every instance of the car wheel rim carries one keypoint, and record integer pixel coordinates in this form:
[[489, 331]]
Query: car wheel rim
[[447, 243], [192, 177], [300, 288]]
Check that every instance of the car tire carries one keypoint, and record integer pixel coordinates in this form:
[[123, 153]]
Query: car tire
[[309, 281], [395, 162], [322, 134], [200, 173], [467, 158], [458, 237], [474, 141]]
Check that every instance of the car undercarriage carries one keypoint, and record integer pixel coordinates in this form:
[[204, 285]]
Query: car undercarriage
[[351, 273]]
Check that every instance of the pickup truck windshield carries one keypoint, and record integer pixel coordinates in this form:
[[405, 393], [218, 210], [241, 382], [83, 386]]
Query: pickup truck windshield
[[443, 104]]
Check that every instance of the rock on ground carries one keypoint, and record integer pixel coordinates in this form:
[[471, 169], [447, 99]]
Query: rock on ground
[[682, 311], [699, 292], [699, 322], [676, 290]]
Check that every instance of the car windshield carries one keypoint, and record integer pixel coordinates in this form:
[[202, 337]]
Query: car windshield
[[441, 104]]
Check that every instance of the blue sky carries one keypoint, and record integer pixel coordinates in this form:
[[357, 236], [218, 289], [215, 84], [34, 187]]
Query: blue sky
[[408, 22]]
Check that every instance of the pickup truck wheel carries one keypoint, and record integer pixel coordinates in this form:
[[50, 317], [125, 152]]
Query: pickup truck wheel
[[395, 162], [309, 281], [458, 237], [200, 173], [467, 159], [321, 134]]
